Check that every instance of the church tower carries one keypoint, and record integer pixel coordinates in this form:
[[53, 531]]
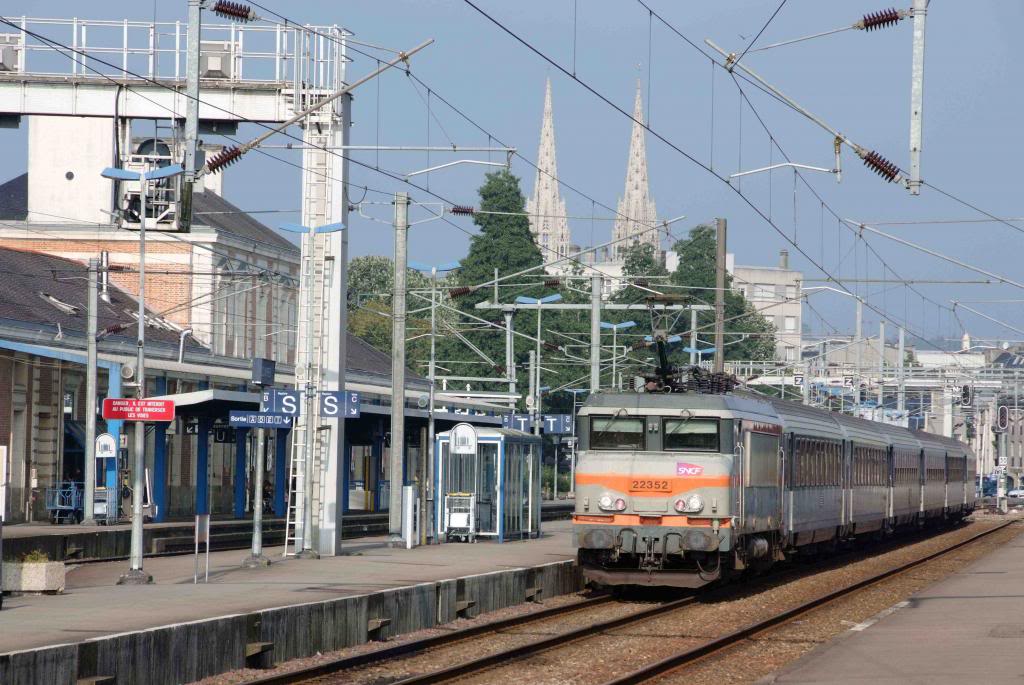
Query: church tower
[[545, 208], [636, 211]]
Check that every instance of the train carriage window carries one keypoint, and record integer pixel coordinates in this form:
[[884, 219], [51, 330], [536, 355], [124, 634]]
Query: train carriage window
[[698, 435], [617, 432], [835, 464], [762, 460], [818, 463]]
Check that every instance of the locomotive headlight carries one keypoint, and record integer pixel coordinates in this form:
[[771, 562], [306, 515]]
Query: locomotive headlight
[[689, 505], [606, 502]]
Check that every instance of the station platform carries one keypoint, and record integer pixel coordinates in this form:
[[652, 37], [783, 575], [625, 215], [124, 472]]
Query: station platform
[[81, 543], [964, 629], [175, 631]]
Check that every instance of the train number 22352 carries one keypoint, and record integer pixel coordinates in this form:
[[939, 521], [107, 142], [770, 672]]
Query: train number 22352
[[649, 485]]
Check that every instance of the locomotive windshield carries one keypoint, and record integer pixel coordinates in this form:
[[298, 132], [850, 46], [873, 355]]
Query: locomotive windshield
[[617, 433], [692, 435]]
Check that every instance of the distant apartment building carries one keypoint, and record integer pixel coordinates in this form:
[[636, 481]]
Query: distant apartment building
[[774, 291]]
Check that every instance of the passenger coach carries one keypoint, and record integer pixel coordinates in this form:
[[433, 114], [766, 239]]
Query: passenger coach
[[682, 489]]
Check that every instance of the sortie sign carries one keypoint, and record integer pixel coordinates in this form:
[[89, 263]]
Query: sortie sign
[[138, 410]]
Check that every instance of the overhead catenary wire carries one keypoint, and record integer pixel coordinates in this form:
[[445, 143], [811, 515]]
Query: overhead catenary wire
[[675, 147]]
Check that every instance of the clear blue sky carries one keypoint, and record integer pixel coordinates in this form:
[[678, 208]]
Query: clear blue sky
[[857, 81]]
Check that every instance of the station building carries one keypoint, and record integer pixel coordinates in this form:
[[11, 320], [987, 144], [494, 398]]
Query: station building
[[195, 464]]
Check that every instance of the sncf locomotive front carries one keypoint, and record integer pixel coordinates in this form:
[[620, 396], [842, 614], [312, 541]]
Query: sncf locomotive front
[[659, 494]]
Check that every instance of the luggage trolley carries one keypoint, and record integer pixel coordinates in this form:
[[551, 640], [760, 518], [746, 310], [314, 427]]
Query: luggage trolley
[[64, 502], [460, 516]]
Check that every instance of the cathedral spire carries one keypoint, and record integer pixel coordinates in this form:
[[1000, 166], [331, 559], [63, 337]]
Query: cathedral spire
[[636, 209], [545, 208]]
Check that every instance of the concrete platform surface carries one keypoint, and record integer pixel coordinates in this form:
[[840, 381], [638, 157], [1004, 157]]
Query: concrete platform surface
[[968, 628], [93, 605]]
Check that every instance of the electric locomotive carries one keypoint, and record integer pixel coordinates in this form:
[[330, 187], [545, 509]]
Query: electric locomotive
[[681, 487]]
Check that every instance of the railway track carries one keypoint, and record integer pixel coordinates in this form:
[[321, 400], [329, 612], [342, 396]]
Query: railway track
[[337, 665], [461, 669], [725, 642]]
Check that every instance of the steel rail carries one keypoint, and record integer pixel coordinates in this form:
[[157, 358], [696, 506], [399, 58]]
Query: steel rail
[[561, 639], [541, 645], [732, 639], [405, 649]]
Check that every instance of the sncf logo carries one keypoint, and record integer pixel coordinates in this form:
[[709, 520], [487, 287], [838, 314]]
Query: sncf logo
[[684, 469]]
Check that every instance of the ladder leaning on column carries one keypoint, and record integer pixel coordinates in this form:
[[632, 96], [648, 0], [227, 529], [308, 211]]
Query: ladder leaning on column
[[308, 370]]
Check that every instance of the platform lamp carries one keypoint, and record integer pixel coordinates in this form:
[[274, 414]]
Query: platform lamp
[[538, 302], [432, 378], [312, 387], [575, 439], [135, 574], [615, 328]]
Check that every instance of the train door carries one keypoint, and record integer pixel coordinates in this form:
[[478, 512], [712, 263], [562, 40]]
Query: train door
[[761, 471]]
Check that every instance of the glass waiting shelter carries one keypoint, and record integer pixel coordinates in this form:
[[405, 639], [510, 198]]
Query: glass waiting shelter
[[493, 492]]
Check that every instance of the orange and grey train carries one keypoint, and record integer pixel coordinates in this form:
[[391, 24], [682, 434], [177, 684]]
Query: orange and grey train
[[683, 489]]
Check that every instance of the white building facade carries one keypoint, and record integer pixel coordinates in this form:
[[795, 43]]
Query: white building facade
[[774, 291]]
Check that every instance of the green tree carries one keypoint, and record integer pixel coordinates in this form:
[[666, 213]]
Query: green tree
[[748, 335], [642, 260], [504, 241], [373, 278], [370, 284]]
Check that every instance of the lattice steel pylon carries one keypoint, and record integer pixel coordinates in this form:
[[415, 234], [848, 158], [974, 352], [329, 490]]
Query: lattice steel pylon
[[320, 349]]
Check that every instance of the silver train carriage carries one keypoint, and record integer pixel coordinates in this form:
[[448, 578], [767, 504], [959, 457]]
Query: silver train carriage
[[683, 489]]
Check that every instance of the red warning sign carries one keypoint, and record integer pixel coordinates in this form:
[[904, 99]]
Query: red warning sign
[[138, 410]]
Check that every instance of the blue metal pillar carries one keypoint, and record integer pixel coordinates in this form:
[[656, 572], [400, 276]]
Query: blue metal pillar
[[501, 491], [241, 438], [114, 428], [376, 454], [280, 471], [203, 467], [160, 459], [347, 465]]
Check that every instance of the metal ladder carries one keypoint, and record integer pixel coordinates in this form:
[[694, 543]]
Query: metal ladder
[[308, 370]]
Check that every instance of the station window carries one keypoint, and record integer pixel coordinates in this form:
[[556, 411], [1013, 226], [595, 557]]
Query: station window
[[617, 432], [698, 435]]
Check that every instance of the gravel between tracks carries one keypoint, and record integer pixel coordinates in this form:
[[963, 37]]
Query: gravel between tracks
[[759, 657], [625, 649], [246, 675], [602, 657]]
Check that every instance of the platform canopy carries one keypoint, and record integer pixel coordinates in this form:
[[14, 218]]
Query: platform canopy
[[211, 404]]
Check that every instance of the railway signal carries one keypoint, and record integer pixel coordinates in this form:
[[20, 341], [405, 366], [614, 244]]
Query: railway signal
[[1003, 417]]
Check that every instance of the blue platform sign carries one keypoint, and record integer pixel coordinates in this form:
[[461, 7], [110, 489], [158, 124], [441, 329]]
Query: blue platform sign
[[333, 404], [549, 423], [519, 422], [256, 419], [557, 423], [279, 401]]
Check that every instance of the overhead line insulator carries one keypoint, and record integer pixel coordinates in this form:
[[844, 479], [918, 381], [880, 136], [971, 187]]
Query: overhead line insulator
[[462, 210], [225, 157], [234, 10], [881, 19], [552, 282], [881, 166], [460, 291]]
